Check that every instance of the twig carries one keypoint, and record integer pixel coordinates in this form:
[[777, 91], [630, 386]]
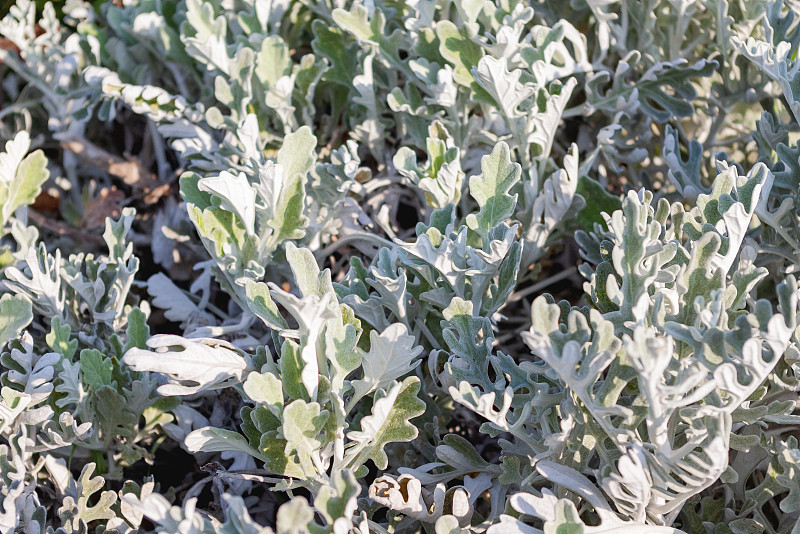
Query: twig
[[247, 476], [716, 126], [385, 181], [158, 150], [251, 475], [62, 229], [196, 489], [129, 171], [519, 295], [217, 331], [376, 240]]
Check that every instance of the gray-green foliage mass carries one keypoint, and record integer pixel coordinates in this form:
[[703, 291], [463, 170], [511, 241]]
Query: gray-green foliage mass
[[315, 266]]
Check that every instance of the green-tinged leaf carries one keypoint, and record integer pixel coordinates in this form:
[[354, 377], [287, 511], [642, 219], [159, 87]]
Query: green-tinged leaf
[[490, 189], [273, 60], [137, 331], [289, 221], [235, 195], [291, 364], [598, 201], [389, 422], [368, 27], [26, 184], [191, 193], [340, 346], [210, 439], [58, 338], [469, 339], [218, 229], [566, 521], [391, 356], [115, 413], [357, 21], [338, 500], [294, 517], [461, 51], [116, 234], [87, 487], [264, 388], [96, 368], [273, 451], [330, 42], [263, 418], [16, 312], [260, 303], [296, 154], [307, 276], [302, 426]]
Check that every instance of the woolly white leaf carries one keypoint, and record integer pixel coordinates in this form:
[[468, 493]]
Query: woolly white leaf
[[166, 295], [391, 355], [236, 194], [406, 495], [210, 439], [190, 365], [504, 86]]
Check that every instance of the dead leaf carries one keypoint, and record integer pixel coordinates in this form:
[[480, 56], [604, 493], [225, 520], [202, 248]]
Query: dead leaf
[[47, 201], [157, 193], [129, 171], [8, 45], [108, 203]]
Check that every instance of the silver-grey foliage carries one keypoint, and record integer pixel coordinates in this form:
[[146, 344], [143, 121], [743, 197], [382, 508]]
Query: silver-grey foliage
[[346, 213]]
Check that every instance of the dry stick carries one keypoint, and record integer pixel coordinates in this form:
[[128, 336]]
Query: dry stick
[[129, 170], [159, 151], [246, 475], [196, 489], [61, 229], [383, 181], [519, 295], [357, 235]]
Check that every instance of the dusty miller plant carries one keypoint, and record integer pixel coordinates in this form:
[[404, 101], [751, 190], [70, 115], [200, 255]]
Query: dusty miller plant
[[365, 266]]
